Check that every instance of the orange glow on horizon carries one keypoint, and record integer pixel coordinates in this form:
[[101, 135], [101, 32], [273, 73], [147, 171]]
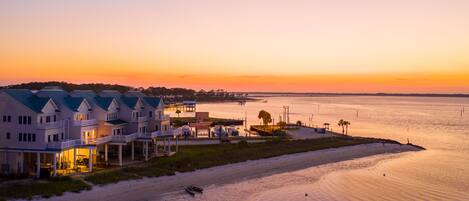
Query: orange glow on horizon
[[297, 46]]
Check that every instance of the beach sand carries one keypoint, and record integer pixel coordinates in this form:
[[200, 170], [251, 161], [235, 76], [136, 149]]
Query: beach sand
[[171, 187]]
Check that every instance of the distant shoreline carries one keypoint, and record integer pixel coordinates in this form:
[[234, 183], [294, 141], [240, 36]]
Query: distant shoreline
[[294, 94]]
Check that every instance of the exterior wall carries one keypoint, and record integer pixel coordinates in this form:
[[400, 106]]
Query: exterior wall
[[78, 130], [11, 107], [64, 124]]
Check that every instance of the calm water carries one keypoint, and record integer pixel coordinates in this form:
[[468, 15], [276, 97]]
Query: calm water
[[439, 173]]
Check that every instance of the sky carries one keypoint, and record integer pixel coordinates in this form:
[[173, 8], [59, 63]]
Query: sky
[[406, 46]]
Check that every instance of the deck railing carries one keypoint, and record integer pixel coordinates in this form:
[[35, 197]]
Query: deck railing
[[124, 138], [88, 122], [166, 133], [64, 144], [144, 135]]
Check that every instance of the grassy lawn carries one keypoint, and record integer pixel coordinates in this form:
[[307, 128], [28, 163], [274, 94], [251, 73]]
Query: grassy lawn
[[190, 158], [46, 188]]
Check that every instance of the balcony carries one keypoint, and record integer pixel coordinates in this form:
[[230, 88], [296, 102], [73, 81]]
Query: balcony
[[140, 119], [166, 133], [125, 138], [105, 139], [83, 123], [64, 144], [50, 125], [98, 140], [144, 135]]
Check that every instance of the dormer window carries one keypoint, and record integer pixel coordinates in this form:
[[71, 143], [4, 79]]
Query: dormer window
[[112, 116], [80, 117]]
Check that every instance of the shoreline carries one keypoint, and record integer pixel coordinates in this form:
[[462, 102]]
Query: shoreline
[[155, 188]]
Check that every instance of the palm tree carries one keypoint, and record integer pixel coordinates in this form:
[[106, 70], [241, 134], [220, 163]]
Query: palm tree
[[341, 124], [265, 116], [346, 124], [178, 112]]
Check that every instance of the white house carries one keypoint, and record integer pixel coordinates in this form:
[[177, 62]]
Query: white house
[[55, 131]]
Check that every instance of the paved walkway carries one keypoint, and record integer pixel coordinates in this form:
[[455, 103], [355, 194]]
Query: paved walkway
[[308, 133]]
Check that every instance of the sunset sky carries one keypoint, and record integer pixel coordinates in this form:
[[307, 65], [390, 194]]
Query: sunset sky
[[274, 45]]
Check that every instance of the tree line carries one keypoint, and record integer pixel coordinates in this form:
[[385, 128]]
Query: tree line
[[169, 94]]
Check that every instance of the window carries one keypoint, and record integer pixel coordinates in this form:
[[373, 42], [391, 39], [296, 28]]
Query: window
[[9, 118], [56, 137], [62, 136], [34, 137], [48, 138], [25, 120], [29, 137], [29, 119], [20, 120], [40, 120], [8, 135], [4, 118], [47, 119], [55, 118], [20, 137], [25, 137], [150, 114]]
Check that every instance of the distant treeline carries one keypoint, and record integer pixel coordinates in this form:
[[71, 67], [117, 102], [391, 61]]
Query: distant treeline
[[276, 94], [169, 94]]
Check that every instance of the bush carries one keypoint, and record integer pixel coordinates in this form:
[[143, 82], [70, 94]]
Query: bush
[[243, 143]]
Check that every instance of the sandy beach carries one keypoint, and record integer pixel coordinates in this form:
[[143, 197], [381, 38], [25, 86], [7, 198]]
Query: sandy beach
[[157, 188]]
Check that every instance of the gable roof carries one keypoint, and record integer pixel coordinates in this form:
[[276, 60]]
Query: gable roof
[[103, 102], [61, 98], [134, 94], [110, 93], [73, 102], [152, 101], [93, 98], [130, 102], [28, 99]]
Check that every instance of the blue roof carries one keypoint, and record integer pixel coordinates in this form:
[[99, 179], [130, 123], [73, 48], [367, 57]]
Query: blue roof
[[117, 122], [61, 98], [92, 97], [29, 99], [110, 93], [73, 102], [129, 101], [152, 101], [135, 94], [103, 102]]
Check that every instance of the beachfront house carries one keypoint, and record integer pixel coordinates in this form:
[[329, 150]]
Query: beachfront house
[[51, 131]]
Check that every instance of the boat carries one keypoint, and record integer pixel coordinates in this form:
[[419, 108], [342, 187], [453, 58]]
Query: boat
[[189, 191], [196, 189]]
